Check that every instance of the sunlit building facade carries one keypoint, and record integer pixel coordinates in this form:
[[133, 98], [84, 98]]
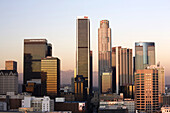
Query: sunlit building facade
[[165, 109], [144, 54], [10, 65], [51, 66], [161, 77], [106, 82], [146, 90], [104, 51]]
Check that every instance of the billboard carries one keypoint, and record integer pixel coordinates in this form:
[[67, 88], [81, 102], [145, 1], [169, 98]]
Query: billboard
[[81, 106]]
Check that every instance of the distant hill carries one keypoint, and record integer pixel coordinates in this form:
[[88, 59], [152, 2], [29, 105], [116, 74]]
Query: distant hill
[[167, 80], [67, 75]]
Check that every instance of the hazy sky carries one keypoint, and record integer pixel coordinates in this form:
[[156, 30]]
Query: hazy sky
[[55, 20]]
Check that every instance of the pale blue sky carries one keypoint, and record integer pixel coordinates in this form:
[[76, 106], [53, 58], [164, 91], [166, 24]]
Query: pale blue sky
[[130, 21]]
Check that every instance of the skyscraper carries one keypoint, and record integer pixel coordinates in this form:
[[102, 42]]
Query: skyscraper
[[10, 65], [51, 67], [83, 49], [144, 54], [146, 90], [104, 51], [34, 51], [122, 68], [116, 67]]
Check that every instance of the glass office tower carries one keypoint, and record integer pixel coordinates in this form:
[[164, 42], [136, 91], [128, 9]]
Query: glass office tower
[[104, 51], [34, 51], [144, 54], [83, 50], [51, 67]]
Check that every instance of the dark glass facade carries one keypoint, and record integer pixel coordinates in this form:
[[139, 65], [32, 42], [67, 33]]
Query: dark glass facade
[[80, 91], [34, 51], [91, 73], [128, 91], [83, 66], [49, 52]]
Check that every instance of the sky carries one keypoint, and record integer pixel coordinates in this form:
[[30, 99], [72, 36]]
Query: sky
[[130, 20]]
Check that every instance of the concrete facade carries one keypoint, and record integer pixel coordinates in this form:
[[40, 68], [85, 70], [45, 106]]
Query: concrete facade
[[44, 104], [146, 90], [8, 81]]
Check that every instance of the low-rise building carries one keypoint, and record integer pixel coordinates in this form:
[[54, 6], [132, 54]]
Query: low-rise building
[[165, 109], [61, 104], [13, 101], [3, 106], [68, 96], [112, 107], [110, 97], [44, 104], [114, 103], [74, 107], [130, 104]]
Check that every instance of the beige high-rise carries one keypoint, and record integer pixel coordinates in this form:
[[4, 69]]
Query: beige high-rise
[[122, 67], [104, 51], [146, 90], [161, 77]]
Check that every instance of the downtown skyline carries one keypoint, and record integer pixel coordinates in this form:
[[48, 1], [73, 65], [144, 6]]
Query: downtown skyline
[[126, 30]]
